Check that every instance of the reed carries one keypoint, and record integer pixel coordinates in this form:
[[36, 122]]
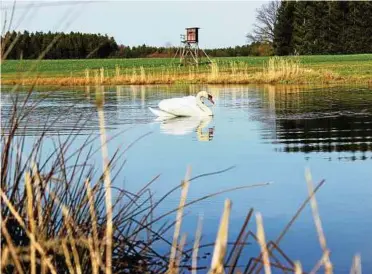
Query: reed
[[275, 70]]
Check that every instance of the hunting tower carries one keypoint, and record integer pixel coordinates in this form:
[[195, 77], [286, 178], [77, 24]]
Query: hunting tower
[[189, 50]]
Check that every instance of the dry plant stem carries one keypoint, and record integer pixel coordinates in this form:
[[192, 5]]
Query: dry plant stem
[[318, 223], [4, 257], [357, 265], [319, 263], [93, 256], [177, 228], [31, 222], [262, 242], [285, 230], [94, 222], [107, 181], [66, 252], [235, 252], [75, 253], [195, 249], [298, 268], [179, 253], [217, 265], [22, 224], [11, 247], [38, 185]]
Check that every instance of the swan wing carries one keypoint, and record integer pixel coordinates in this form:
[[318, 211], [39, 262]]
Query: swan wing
[[161, 114], [179, 106]]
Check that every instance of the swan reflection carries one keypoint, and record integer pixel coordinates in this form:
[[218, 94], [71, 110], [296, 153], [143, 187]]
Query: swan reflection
[[187, 125]]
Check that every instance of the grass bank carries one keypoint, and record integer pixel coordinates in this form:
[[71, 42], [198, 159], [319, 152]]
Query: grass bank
[[342, 69]]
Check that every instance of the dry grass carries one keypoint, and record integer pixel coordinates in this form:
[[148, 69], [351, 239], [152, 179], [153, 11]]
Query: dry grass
[[275, 70]]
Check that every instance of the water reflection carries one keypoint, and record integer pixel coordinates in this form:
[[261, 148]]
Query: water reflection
[[187, 125], [318, 120]]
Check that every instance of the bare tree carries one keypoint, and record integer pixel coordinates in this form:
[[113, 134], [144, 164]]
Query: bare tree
[[263, 31]]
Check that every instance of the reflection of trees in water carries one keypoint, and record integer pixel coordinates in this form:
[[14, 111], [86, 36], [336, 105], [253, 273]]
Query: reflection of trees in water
[[324, 120], [64, 111]]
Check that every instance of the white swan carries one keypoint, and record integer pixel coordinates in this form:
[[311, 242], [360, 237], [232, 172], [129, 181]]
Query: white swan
[[184, 106]]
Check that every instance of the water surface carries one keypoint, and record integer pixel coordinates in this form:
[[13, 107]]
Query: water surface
[[269, 133]]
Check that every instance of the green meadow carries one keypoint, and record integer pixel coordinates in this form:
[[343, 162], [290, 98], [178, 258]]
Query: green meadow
[[344, 68]]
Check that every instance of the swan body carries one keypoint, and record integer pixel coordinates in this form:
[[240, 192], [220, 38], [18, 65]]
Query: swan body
[[184, 106]]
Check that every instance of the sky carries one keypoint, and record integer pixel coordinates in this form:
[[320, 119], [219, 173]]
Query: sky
[[132, 23]]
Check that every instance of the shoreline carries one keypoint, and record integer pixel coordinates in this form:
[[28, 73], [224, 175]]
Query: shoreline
[[349, 69], [223, 79]]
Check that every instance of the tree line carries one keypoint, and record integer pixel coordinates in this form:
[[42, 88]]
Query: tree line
[[283, 28], [59, 45], [323, 27], [76, 45]]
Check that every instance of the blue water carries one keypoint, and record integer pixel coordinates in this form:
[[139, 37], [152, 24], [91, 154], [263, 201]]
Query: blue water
[[268, 133]]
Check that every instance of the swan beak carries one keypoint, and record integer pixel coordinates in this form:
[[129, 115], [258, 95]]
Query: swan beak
[[210, 98]]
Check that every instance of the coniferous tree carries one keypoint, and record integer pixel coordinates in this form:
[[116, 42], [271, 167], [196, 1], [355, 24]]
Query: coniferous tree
[[284, 28]]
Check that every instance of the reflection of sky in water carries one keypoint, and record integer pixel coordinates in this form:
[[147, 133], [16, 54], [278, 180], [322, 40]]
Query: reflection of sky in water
[[270, 133]]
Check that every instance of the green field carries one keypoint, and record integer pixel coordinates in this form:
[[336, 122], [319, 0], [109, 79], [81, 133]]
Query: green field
[[347, 66]]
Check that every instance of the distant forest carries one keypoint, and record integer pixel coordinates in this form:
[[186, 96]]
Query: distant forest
[[323, 27], [298, 27], [76, 45]]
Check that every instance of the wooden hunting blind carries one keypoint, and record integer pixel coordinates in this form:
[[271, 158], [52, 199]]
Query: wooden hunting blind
[[192, 35], [189, 50]]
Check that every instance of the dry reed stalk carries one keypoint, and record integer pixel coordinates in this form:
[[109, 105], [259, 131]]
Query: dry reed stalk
[[319, 263], [214, 71], [38, 185], [22, 224], [75, 253], [217, 265], [298, 268], [357, 265], [262, 242], [102, 75], [93, 256], [96, 77], [133, 77], [66, 252], [179, 253], [31, 222], [87, 79], [94, 222], [318, 223], [142, 75], [11, 247], [117, 71], [4, 257], [195, 249], [177, 227], [107, 183]]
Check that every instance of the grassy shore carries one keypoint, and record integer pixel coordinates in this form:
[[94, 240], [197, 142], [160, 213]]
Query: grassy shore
[[238, 70]]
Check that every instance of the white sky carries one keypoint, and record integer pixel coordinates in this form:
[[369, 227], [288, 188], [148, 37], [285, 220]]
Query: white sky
[[222, 23]]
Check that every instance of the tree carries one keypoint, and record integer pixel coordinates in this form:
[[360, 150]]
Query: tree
[[283, 29], [266, 17]]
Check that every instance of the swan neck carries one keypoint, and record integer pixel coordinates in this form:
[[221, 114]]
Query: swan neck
[[203, 107]]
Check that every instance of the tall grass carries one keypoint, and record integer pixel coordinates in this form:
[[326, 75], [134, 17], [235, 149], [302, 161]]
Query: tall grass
[[274, 70]]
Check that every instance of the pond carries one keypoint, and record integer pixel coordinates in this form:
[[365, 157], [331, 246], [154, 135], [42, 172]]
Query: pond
[[268, 133]]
